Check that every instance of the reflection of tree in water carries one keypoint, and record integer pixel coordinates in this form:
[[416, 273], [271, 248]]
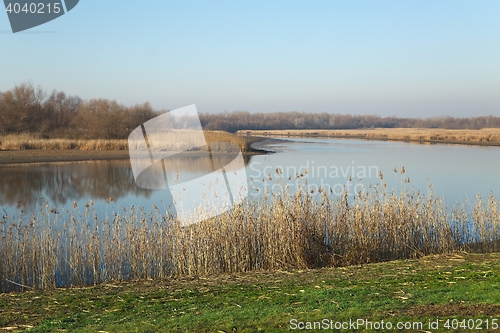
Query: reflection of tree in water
[[63, 183], [26, 185]]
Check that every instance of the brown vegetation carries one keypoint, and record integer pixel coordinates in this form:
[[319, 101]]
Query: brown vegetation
[[488, 136], [31, 141], [290, 230], [242, 120], [29, 109]]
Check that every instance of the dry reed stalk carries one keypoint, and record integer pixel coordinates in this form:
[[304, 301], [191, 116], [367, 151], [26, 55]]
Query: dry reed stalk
[[274, 231], [487, 135], [32, 141]]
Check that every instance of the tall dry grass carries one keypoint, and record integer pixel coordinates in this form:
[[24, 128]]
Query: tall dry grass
[[274, 231], [221, 136], [484, 136], [33, 141]]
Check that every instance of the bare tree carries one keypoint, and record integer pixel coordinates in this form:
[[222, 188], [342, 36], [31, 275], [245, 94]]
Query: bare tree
[[102, 118], [2, 114], [138, 114], [22, 109], [61, 108]]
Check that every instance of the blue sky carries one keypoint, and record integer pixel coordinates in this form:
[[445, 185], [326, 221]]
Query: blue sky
[[411, 59]]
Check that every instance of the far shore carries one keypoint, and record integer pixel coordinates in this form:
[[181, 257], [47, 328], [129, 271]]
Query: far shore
[[14, 157], [253, 142], [483, 137]]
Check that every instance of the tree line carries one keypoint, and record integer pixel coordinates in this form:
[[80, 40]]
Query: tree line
[[30, 109], [243, 120]]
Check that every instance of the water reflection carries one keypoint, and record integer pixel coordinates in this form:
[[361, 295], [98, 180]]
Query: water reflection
[[24, 186], [456, 172]]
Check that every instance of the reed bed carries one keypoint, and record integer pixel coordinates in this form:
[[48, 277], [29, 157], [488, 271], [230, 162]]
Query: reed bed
[[290, 230], [483, 136], [32, 141], [220, 136], [29, 141]]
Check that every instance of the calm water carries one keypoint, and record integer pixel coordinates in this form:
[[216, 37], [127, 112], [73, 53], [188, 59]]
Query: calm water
[[457, 173]]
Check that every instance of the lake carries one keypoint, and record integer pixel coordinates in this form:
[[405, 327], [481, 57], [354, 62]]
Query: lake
[[88, 222], [456, 172]]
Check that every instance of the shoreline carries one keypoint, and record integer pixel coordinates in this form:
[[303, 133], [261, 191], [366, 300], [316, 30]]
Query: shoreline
[[29, 156], [486, 137], [258, 139]]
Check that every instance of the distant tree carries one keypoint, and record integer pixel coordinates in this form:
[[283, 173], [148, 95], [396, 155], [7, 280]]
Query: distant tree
[[139, 114], [22, 110], [25, 109], [103, 119], [2, 113], [61, 108]]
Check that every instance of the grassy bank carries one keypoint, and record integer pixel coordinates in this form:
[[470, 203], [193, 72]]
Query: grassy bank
[[478, 137], [31, 142], [459, 286]]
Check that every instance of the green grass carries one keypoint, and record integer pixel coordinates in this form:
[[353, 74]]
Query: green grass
[[445, 287]]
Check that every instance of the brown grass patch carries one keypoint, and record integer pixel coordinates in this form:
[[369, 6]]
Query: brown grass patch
[[489, 136], [32, 141]]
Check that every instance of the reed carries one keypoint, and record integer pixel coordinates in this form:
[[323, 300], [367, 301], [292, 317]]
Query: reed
[[486, 136], [32, 141], [221, 136], [286, 230]]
